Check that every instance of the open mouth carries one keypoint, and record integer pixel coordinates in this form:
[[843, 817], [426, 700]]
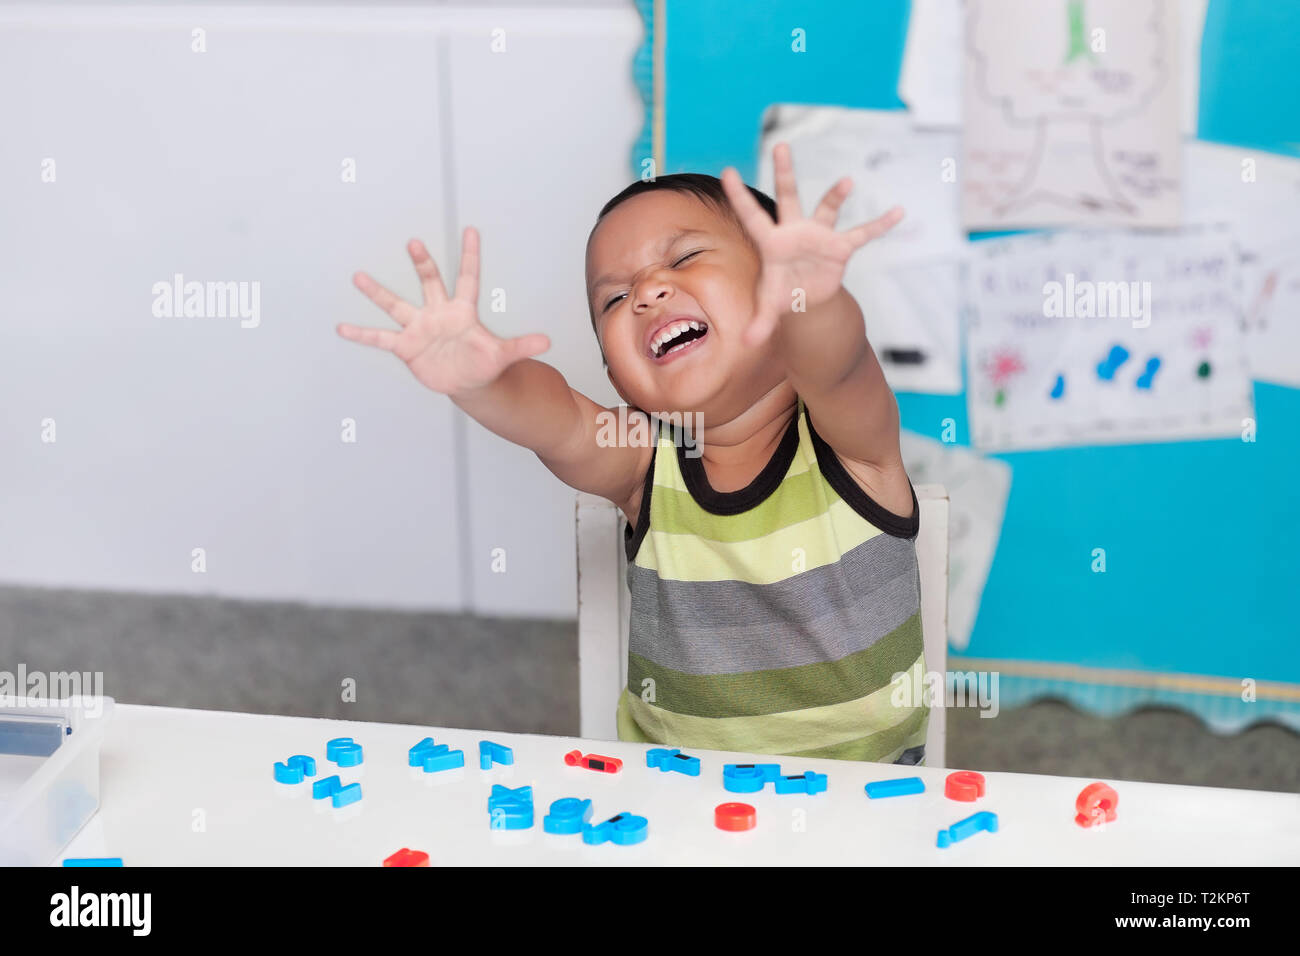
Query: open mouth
[[678, 337]]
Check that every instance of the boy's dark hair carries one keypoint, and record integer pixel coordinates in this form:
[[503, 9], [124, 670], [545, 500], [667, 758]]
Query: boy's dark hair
[[707, 189]]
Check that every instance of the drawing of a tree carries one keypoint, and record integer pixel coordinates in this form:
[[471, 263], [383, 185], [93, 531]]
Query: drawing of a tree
[[1069, 92]]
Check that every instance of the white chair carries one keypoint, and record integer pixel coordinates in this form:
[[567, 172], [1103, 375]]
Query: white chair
[[604, 605]]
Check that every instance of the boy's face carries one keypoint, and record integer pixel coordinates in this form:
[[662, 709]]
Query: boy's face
[[662, 256]]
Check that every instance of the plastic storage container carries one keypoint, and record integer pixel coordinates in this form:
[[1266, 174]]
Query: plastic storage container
[[49, 774]]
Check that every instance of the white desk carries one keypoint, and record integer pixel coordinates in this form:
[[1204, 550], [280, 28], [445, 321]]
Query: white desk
[[161, 765]]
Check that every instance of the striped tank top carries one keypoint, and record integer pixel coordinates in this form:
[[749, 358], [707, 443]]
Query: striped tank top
[[772, 619]]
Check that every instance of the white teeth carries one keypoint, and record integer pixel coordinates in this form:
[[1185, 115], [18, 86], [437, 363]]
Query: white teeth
[[672, 331]]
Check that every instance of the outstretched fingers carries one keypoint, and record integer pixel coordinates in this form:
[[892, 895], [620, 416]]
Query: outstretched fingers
[[430, 279], [401, 312], [756, 222], [787, 193], [828, 210], [467, 281], [379, 338], [861, 235]]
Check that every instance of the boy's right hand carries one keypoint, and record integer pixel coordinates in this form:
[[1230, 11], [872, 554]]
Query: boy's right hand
[[443, 343]]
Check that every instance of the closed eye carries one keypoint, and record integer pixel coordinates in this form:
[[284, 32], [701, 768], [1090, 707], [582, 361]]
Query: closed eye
[[688, 255]]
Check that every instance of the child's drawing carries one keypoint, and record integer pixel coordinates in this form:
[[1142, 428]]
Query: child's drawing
[[1045, 373], [1071, 113], [1272, 313]]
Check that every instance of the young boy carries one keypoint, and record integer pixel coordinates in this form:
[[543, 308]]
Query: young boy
[[772, 564]]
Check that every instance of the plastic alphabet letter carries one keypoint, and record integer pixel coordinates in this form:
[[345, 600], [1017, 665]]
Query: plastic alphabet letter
[[1096, 804], [735, 816], [568, 815], [894, 788], [333, 788], [295, 768], [967, 828], [667, 760], [748, 777], [624, 829], [490, 753], [325, 787], [405, 857], [344, 751], [342, 796], [510, 809], [964, 785], [93, 861], [575, 758], [415, 756], [810, 782], [434, 757]]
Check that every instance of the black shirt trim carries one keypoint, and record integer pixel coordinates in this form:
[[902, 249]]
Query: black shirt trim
[[632, 538], [766, 482], [846, 487], [754, 493]]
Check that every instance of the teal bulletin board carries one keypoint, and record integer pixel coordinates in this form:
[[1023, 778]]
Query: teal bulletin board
[[1202, 577]]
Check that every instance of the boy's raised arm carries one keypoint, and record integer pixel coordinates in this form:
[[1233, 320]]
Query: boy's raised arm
[[496, 381], [824, 345], [532, 405]]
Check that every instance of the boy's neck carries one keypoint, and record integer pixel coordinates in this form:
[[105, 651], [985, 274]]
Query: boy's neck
[[748, 441]]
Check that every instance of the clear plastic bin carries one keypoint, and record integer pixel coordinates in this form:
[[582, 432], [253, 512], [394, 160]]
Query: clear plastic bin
[[49, 774]]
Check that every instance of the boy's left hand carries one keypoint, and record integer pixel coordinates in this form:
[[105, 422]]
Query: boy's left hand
[[794, 252]]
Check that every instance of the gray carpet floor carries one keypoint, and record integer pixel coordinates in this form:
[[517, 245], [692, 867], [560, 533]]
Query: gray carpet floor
[[521, 676]]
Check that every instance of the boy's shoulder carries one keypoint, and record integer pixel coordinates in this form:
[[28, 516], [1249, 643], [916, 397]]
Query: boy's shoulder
[[632, 506], [888, 486]]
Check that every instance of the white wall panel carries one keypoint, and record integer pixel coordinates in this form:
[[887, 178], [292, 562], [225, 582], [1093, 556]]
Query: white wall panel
[[541, 135], [176, 433]]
